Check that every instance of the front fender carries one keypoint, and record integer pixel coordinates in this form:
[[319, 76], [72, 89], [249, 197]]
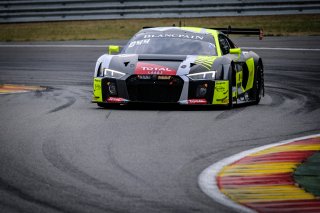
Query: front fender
[[104, 61]]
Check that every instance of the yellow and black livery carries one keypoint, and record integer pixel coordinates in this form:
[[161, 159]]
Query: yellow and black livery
[[183, 65]]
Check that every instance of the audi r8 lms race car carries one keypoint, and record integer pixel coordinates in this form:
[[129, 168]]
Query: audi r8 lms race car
[[183, 65]]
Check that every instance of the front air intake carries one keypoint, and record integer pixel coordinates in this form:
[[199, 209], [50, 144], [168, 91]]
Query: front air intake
[[155, 89]]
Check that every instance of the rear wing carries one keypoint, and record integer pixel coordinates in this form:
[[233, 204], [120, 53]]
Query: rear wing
[[241, 31]]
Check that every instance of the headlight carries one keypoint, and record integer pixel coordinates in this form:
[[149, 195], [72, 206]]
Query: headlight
[[112, 73], [210, 75]]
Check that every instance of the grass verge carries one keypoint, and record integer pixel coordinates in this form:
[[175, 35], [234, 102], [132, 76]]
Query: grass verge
[[123, 29]]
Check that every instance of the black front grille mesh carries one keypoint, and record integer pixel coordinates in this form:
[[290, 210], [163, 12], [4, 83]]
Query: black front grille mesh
[[154, 90]]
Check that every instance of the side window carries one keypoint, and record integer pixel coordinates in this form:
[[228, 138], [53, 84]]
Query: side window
[[224, 44], [231, 44]]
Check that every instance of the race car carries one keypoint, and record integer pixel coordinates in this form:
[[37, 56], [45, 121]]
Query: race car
[[181, 65]]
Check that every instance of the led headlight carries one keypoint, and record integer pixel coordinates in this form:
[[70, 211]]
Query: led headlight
[[210, 75], [112, 73]]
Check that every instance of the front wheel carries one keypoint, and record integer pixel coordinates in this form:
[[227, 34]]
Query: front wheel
[[231, 79], [256, 92]]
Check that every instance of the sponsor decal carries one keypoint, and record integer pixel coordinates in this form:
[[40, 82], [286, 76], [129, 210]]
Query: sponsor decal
[[97, 86], [164, 77], [139, 42], [116, 100], [153, 69], [197, 101], [172, 35], [145, 77], [221, 90], [97, 93]]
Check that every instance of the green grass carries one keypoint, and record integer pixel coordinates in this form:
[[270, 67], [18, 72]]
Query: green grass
[[124, 29]]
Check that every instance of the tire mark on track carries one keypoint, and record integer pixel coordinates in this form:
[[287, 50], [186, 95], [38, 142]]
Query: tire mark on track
[[229, 113], [70, 101], [108, 114], [104, 209], [83, 197], [82, 94], [275, 137], [306, 99], [21, 194], [115, 162], [277, 98], [52, 154], [13, 208]]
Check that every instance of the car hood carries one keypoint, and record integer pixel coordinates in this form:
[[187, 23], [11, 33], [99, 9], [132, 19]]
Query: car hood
[[160, 64]]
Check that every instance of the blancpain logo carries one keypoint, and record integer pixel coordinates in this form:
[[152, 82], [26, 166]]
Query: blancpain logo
[[190, 36]]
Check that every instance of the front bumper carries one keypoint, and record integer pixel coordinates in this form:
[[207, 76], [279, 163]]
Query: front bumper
[[160, 89]]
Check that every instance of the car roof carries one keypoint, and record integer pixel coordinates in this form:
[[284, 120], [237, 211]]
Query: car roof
[[190, 29]]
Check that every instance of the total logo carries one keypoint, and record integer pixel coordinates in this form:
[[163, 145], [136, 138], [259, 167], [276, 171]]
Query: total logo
[[153, 69], [156, 70]]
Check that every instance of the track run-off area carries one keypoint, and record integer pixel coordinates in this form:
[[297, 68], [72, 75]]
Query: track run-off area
[[61, 153]]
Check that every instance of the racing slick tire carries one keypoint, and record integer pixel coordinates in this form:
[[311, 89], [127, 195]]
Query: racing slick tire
[[231, 78], [256, 92]]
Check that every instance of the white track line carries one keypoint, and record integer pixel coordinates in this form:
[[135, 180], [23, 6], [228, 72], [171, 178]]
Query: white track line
[[52, 45], [104, 46], [279, 48], [207, 178]]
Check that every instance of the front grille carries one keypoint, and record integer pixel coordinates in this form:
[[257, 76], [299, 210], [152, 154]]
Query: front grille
[[154, 89]]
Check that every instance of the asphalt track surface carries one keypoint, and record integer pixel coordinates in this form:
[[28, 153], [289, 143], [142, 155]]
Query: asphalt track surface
[[61, 153]]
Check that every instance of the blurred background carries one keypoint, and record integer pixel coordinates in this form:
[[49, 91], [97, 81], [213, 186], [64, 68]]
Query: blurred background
[[47, 20]]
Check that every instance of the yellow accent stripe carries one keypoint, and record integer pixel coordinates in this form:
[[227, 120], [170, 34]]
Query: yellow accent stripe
[[205, 61], [257, 169], [250, 194], [194, 29], [251, 69], [301, 147]]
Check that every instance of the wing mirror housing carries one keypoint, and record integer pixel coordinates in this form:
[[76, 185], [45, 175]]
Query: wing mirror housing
[[113, 49], [235, 51]]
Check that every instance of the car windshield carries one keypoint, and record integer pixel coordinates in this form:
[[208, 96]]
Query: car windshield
[[169, 45]]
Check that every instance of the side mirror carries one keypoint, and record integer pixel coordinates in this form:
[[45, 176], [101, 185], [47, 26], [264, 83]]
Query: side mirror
[[113, 49], [235, 51]]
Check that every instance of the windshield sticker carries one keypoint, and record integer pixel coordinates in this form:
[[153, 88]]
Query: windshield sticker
[[212, 46], [139, 42], [196, 37]]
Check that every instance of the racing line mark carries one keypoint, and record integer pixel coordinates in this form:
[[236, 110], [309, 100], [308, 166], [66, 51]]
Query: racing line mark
[[70, 101], [108, 114], [280, 48]]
